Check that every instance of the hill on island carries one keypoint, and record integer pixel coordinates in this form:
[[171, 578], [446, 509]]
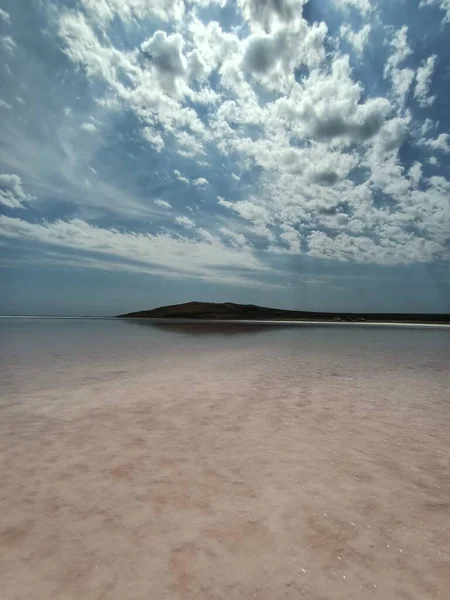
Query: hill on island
[[232, 311]]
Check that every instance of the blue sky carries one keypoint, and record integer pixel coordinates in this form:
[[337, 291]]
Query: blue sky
[[289, 153]]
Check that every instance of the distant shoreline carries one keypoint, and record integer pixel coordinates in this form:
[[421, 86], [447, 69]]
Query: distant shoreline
[[198, 321], [162, 321], [172, 321], [231, 312]]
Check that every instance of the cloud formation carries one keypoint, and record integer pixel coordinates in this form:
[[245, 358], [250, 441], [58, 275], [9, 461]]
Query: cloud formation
[[259, 131], [162, 253], [423, 77], [12, 194], [4, 16]]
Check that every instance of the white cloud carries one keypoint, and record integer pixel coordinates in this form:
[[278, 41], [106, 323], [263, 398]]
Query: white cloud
[[427, 126], [262, 230], [357, 40], [180, 177], [154, 138], [212, 45], [189, 144], [363, 6], [261, 53], [8, 43], [248, 210], [164, 53], [185, 222], [163, 253], [400, 46], [343, 247], [5, 105], [282, 106], [162, 203], [441, 143], [89, 127], [327, 107], [254, 212], [272, 58], [12, 194], [415, 172], [200, 182], [271, 12], [293, 240], [401, 78], [442, 4], [390, 137], [423, 77], [103, 11], [83, 47], [4, 16], [236, 239]]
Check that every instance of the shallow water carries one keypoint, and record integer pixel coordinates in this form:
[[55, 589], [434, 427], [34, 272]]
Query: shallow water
[[223, 461]]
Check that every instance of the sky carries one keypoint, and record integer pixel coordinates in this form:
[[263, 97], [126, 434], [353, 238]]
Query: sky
[[287, 153]]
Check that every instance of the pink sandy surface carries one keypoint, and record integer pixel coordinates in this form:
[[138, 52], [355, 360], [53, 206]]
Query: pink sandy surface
[[227, 475]]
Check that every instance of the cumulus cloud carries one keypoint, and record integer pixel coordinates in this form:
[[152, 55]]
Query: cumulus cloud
[[162, 203], [185, 222], [273, 57], [423, 80], [292, 238], [89, 127], [154, 138], [329, 106], [83, 47], [261, 53], [12, 194], [180, 177], [254, 212], [357, 39], [363, 6], [403, 250], [265, 12], [248, 210], [391, 136], [235, 239], [103, 11], [316, 142], [402, 78], [200, 182], [415, 172], [165, 54], [400, 47], [441, 143]]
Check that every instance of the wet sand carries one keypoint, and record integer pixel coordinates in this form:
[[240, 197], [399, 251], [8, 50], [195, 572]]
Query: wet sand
[[234, 471]]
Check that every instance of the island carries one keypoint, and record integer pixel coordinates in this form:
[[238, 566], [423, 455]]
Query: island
[[230, 311]]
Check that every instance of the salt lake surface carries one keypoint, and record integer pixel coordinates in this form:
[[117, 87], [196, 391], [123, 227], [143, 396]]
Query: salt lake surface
[[208, 461]]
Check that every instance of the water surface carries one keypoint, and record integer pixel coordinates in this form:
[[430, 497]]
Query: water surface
[[223, 461]]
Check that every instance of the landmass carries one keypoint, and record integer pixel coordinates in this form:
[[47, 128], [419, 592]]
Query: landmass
[[253, 312]]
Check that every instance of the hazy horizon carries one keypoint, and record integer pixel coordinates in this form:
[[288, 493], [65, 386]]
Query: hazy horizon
[[111, 316]]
